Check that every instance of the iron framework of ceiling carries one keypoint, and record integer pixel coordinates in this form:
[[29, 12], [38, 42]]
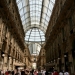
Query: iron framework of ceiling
[[35, 15]]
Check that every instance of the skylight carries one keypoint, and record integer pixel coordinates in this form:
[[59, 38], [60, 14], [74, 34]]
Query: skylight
[[35, 35], [35, 13], [35, 16]]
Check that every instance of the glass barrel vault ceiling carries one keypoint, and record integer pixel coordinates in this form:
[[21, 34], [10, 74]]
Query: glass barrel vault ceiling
[[35, 35], [35, 13]]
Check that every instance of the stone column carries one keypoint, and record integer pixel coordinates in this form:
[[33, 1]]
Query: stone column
[[5, 62], [71, 67], [10, 63], [13, 64], [3, 56], [63, 68], [0, 34], [58, 63]]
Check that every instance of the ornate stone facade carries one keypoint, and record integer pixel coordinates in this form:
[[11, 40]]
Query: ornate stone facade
[[12, 44], [41, 59], [27, 57], [60, 37]]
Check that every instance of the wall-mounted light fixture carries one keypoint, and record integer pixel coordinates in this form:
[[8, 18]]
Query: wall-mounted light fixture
[[9, 57], [14, 59], [65, 55], [3, 55], [58, 58]]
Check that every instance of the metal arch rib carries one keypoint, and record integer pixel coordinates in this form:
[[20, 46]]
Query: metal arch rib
[[29, 27]]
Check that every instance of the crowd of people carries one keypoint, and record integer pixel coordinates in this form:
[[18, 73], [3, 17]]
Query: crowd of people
[[28, 71]]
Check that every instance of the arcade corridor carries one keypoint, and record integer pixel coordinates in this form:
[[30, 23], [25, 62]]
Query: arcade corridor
[[37, 33]]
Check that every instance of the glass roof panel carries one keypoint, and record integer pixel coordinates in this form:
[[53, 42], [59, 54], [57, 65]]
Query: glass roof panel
[[20, 5], [22, 18], [21, 12], [17, 0], [35, 34], [35, 13]]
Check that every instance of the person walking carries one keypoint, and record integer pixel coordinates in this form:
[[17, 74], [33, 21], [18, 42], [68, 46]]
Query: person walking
[[60, 73]]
